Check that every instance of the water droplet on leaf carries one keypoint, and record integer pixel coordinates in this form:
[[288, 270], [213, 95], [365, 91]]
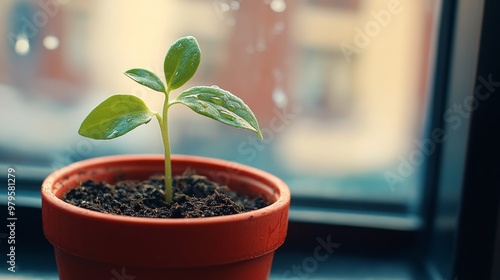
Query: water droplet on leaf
[[217, 100], [230, 21], [227, 115]]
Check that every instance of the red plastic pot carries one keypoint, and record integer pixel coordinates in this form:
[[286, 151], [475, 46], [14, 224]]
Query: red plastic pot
[[92, 245]]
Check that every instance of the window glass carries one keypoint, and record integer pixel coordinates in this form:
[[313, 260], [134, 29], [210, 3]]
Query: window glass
[[340, 87]]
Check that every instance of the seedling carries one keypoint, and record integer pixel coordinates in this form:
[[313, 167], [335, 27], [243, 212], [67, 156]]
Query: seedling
[[121, 113]]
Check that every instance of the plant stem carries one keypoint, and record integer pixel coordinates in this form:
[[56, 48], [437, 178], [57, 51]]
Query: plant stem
[[163, 121]]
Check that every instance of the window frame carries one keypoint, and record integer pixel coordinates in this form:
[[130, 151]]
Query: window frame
[[462, 230]]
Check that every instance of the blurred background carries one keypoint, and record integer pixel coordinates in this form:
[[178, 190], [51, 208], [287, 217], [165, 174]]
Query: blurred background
[[340, 88]]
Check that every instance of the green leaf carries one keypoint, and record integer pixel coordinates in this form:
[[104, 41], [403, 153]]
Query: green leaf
[[220, 105], [146, 78], [114, 117], [181, 62]]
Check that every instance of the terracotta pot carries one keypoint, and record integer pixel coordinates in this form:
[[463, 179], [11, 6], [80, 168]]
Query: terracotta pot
[[92, 245]]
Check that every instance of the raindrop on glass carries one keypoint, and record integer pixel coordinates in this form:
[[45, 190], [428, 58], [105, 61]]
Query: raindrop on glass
[[278, 6], [224, 7], [279, 97], [278, 27], [51, 42], [235, 5], [22, 46], [261, 44]]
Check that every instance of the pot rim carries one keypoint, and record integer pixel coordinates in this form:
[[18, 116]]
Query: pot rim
[[283, 195]]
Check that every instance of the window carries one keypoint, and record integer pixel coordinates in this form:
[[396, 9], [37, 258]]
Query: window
[[340, 89]]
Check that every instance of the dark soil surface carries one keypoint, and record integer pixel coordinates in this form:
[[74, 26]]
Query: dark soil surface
[[194, 196]]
